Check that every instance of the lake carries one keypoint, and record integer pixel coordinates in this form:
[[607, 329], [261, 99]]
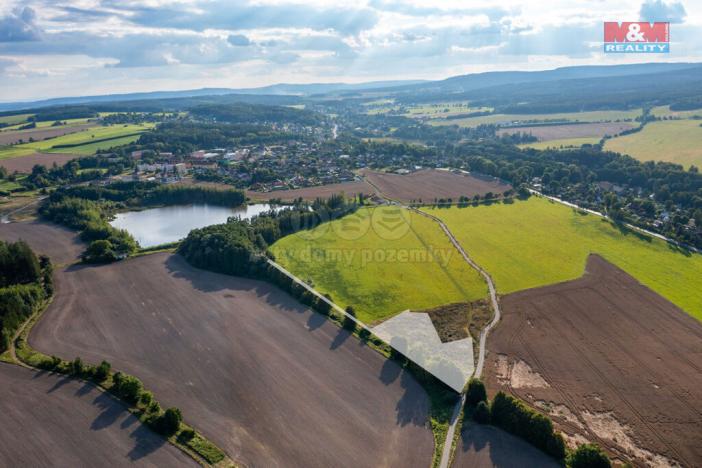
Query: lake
[[157, 226]]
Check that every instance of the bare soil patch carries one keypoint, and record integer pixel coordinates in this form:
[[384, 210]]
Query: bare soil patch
[[311, 193], [266, 379], [38, 134], [623, 366], [49, 420], [61, 244], [429, 184], [557, 132], [26, 163], [460, 320], [487, 446], [450, 321]]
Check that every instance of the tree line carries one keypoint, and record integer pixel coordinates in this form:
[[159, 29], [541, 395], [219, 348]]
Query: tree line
[[515, 417], [25, 282]]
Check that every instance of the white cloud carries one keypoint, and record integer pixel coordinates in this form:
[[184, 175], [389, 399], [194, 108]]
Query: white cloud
[[159, 44]]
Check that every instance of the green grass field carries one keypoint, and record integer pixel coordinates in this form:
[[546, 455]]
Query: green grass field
[[15, 119], [664, 111], [678, 141], [381, 261], [562, 143], [592, 116], [534, 243], [116, 135], [48, 124]]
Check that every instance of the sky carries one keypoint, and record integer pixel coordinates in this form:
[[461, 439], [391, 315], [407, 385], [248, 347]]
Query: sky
[[89, 47]]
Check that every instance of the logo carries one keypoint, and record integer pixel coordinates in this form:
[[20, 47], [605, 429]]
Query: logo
[[636, 37]]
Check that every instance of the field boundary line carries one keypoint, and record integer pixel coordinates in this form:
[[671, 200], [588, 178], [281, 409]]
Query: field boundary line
[[320, 296]]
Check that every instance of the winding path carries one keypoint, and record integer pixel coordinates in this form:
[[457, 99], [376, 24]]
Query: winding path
[[448, 444]]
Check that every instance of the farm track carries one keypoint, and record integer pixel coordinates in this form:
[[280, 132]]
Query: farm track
[[455, 417], [448, 446]]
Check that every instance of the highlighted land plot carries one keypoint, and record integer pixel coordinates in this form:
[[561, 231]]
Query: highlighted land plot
[[413, 334]]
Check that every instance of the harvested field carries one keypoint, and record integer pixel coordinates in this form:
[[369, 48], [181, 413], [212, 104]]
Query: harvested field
[[676, 141], [61, 244], [39, 134], [266, 379], [609, 360], [50, 420], [26, 163], [487, 446], [558, 132], [310, 193], [428, 184]]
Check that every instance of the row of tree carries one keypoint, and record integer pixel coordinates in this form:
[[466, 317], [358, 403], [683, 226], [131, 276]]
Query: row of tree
[[515, 417]]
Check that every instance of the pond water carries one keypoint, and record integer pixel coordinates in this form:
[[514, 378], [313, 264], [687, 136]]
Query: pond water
[[157, 226]]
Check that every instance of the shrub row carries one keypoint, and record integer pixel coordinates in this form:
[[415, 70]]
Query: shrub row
[[131, 390], [515, 417]]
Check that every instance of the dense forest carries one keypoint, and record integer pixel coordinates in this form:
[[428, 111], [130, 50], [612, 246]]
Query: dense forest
[[182, 138], [25, 281], [242, 113]]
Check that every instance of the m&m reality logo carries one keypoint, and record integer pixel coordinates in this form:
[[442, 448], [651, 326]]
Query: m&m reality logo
[[636, 37]]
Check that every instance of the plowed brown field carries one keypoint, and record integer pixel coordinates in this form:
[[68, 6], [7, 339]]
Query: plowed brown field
[[609, 360], [557, 132], [269, 381], [428, 184], [49, 420], [26, 163], [310, 193]]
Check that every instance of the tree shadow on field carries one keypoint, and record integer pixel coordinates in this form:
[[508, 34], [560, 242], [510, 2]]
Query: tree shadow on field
[[413, 406], [490, 446], [390, 372], [145, 442], [84, 389], [60, 382], [111, 411], [315, 321], [208, 282], [340, 338]]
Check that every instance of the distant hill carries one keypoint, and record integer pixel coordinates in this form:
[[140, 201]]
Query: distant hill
[[463, 83], [561, 89], [569, 89], [282, 89]]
